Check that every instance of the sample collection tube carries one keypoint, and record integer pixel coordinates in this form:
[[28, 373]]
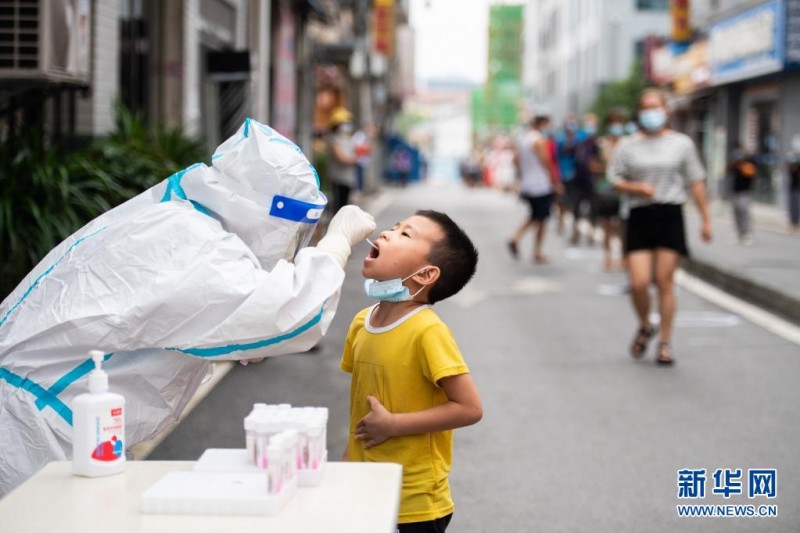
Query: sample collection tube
[[304, 428]]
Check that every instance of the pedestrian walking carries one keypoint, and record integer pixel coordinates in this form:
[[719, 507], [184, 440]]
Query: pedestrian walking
[[743, 171], [410, 387], [656, 167], [607, 198], [471, 169], [793, 173], [500, 162], [566, 140], [342, 159], [587, 166], [363, 140], [538, 185]]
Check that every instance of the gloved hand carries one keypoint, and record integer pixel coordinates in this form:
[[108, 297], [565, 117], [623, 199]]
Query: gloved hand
[[347, 228]]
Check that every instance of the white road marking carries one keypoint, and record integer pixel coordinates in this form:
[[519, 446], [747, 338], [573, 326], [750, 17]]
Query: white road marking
[[534, 285], [748, 311]]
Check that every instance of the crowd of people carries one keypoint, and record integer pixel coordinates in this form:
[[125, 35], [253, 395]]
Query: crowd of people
[[561, 170], [631, 179]]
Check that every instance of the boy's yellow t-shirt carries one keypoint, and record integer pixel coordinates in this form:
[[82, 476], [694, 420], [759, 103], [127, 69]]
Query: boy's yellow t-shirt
[[400, 365]]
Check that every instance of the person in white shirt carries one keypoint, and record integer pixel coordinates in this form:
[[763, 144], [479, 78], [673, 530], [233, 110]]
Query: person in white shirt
[[539, 182]]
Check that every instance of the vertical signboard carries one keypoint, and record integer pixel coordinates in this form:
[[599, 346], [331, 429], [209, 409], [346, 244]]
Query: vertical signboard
[[793, 32], [681, 21], [383, 27], [284, 106]]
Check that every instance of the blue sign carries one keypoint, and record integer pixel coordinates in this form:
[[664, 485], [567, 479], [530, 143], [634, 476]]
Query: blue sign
[[793, 33], [748, 44]]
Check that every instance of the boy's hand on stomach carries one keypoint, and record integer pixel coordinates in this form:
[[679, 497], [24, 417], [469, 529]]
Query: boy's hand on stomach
[[374, 428]]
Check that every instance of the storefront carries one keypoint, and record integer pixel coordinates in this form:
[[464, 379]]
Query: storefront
[[753, 58]]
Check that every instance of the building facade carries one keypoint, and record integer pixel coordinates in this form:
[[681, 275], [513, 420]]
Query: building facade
[[201, 65], [738, 82], [573, 47]]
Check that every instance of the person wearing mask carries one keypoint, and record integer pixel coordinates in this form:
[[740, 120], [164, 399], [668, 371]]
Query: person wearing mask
[[656, 167], [343, 159], [743, 171], [566, 140], [607, 199], [587, 166], [539, 182], [211, 264], [363, 140]]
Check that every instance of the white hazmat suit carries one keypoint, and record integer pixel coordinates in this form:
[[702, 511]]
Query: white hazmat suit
[[197, 268]]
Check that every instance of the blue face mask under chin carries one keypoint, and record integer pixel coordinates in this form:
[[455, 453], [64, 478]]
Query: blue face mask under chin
[[391, 290]]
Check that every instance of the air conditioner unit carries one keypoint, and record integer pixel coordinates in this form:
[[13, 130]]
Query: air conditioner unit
[[45, 41]]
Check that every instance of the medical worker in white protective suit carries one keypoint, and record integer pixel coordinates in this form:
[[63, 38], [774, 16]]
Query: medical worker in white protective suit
[[209, 264]]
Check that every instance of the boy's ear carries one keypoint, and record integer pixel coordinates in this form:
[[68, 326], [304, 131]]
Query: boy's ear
[[429, 276]]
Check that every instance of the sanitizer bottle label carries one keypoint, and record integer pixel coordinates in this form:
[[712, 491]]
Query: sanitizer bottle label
[[108, 435]]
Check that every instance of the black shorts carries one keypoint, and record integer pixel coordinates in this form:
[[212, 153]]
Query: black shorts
[[540, 205], [656, 226], [431, 526], [606, 207]]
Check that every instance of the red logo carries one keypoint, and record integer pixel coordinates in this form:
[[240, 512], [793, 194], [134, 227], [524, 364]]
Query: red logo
[[116, 412]]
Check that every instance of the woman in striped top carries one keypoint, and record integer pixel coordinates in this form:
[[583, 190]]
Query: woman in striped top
[[656, 167]]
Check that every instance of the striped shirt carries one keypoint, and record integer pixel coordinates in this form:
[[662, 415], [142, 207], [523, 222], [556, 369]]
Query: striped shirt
[[669, 162]]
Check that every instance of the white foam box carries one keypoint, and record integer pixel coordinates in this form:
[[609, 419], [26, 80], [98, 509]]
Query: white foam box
[[236, 460], [215, 493]]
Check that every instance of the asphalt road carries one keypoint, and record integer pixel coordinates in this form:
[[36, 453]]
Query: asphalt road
[[576, 435]]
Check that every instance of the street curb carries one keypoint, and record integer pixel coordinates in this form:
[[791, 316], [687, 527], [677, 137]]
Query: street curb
[[741, 287]]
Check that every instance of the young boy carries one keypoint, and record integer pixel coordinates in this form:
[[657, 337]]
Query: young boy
[[410, 386]]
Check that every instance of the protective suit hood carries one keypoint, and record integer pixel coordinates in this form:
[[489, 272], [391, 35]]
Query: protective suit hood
[[260, 187]]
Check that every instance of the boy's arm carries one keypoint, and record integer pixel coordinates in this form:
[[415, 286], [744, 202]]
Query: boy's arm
[[463, 408]]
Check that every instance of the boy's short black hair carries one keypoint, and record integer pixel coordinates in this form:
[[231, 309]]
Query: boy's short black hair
[[454, 254]]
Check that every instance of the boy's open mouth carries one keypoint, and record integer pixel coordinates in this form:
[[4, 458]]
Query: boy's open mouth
[[374, 252]]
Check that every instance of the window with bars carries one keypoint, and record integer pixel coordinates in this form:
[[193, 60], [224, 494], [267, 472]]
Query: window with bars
[[19, 34]]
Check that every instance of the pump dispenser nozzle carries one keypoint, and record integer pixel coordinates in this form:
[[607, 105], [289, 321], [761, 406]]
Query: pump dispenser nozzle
[[98, 380]]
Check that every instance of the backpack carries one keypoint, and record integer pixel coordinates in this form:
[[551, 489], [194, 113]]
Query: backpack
[[747, 169]]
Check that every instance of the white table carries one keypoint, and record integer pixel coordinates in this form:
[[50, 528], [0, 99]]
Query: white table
[[353, 497]]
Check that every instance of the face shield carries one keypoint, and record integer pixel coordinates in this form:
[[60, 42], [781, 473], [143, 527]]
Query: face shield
[[299, 221]]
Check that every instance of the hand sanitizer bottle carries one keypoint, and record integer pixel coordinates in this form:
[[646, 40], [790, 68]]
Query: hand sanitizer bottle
[[98, 436]]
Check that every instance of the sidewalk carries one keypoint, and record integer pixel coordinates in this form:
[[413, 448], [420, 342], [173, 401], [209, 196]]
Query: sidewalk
[[766, 274]]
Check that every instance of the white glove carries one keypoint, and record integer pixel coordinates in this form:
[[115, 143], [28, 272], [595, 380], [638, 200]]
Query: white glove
[[347, 228]]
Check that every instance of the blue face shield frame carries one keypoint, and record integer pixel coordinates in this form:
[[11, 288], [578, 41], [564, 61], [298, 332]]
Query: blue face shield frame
[[305, 214]]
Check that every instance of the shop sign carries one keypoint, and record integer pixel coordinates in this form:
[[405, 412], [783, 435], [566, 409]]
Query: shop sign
[[284, 103], [662, 64], [748, 44], [692, 70], [793, 32], [681, 23], [383, 26]]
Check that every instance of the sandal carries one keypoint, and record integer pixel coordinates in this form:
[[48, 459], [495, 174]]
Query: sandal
[[512, 248], [643, 337], [664, 356]]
